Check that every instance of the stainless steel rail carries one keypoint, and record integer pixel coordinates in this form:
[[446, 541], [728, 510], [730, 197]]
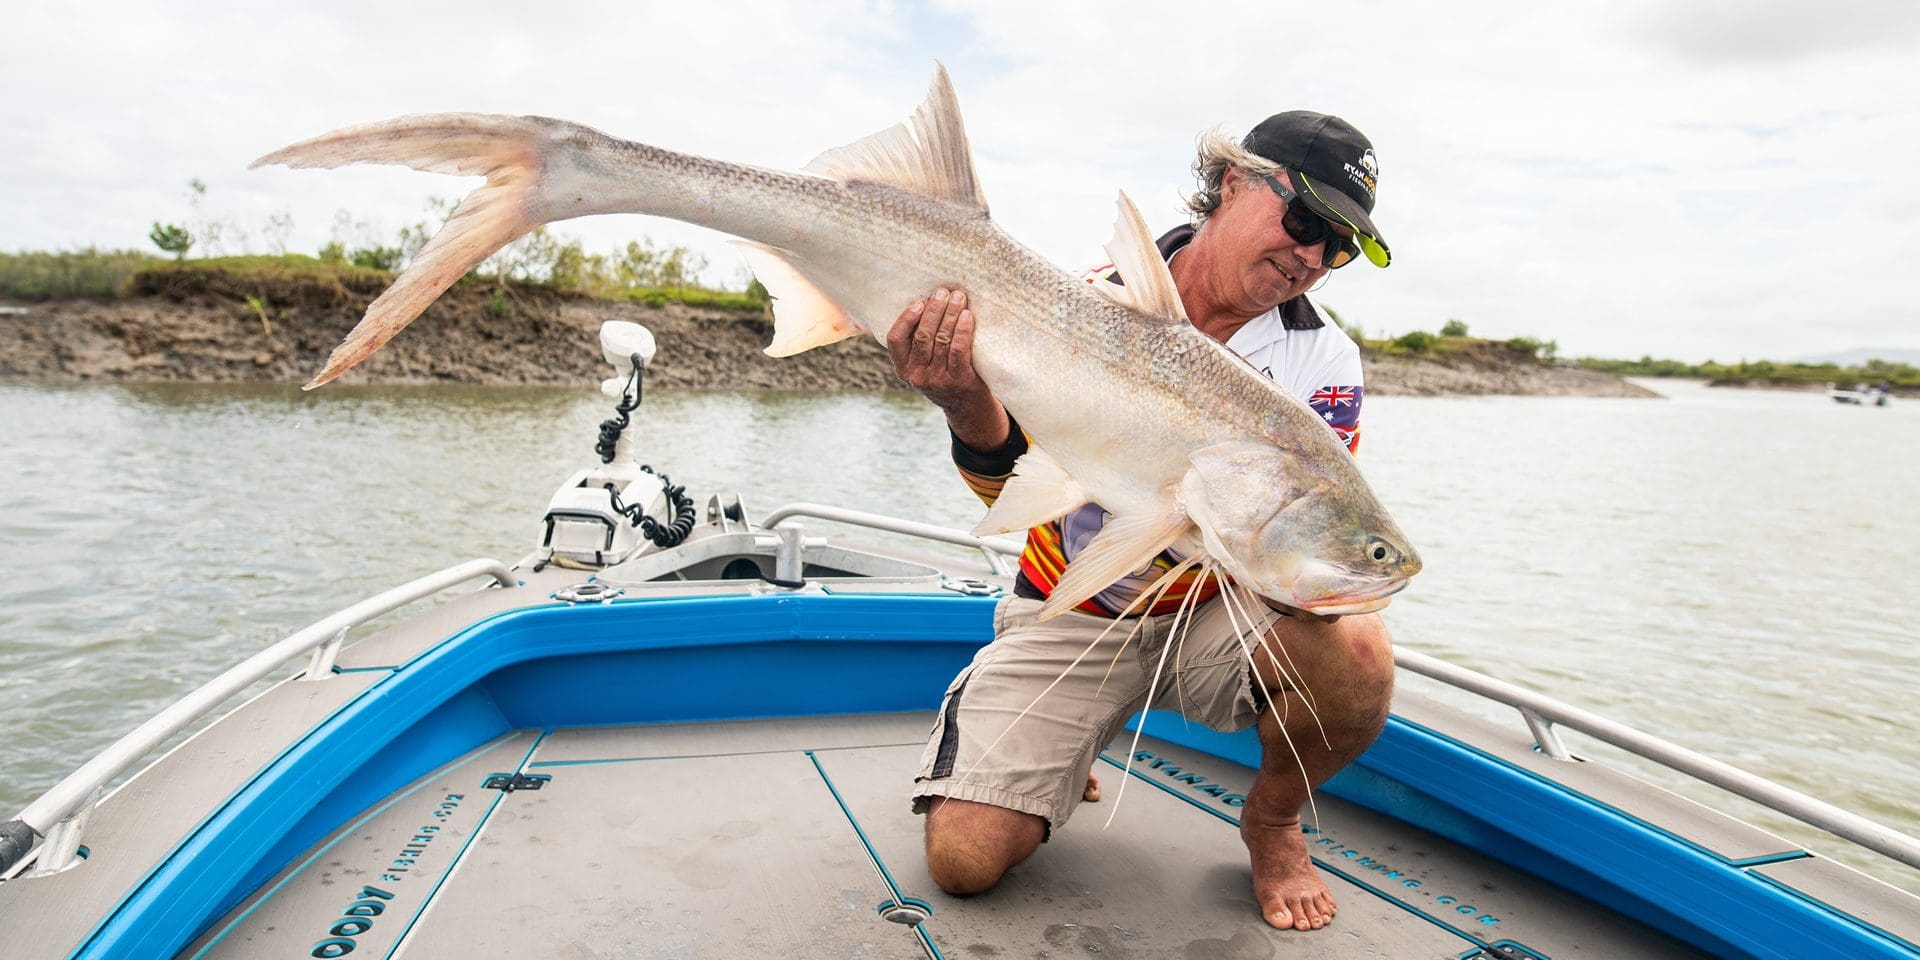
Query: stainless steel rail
[[1541, 712], [995, 550], [60, 812]]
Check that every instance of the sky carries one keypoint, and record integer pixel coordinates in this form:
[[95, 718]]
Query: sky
[[1702, 180]]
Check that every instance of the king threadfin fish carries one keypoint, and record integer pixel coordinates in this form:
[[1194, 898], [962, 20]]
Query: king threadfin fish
[[1127, 404]]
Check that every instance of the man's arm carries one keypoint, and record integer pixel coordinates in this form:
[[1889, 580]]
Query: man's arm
[[932, 348]]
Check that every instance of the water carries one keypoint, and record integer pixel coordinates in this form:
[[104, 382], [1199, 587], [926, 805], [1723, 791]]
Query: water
[[1726, 569]]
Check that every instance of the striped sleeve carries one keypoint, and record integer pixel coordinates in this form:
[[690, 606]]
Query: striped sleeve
[[986, 473]]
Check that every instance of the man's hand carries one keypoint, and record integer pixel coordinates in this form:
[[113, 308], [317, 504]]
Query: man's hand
[[932, 348]]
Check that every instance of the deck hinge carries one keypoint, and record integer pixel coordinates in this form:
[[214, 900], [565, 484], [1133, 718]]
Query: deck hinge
[[1504, 950], [509, 782]]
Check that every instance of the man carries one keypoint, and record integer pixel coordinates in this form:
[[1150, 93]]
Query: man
[[1274, 213]]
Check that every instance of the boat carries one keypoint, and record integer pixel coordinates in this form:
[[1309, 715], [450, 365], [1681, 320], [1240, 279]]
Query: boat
[[676, 730], [1861, 395]]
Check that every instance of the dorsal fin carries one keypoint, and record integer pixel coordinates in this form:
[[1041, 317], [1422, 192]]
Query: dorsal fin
[[1146, 283], [926, 154]]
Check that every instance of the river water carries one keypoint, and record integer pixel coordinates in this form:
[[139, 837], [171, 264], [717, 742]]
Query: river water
[[1731, 570]]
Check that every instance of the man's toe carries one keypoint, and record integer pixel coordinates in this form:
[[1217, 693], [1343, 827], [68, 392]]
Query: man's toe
[[1280, 917]]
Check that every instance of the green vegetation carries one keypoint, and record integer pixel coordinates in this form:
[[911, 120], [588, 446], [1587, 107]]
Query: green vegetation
[[1417, 341], [265, 266], [384, 259], [1451, 341], [171, 238], [360, 259], [1538, 349], [1764, 372], [68, 274], [259, 306]]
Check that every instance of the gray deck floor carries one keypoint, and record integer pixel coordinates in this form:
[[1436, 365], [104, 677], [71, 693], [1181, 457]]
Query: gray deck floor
[[785, 838]]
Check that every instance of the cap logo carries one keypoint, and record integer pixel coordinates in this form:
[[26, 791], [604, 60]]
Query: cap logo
[[1366, 173]]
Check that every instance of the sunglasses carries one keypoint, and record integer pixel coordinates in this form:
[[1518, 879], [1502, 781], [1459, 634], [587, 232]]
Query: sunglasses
[[1309, 229]]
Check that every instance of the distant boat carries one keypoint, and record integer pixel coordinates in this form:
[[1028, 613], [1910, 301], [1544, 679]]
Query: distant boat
[[1861, 395]]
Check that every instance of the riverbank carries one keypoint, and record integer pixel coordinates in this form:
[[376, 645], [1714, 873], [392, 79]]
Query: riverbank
[[200, 327]]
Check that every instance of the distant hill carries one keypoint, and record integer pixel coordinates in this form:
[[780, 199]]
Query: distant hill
[[1861, 355]]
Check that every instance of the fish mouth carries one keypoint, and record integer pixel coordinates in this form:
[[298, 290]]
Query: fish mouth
[[1374, 596]]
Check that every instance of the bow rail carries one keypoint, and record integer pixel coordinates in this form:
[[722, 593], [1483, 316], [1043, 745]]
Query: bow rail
[[60, 813]]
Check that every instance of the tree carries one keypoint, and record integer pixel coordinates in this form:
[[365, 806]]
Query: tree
[[205, 231], [1418, 341], [279, 226], [1454, 328], [172, 239]]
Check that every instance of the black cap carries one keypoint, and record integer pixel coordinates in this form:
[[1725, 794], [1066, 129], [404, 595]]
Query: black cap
[[1333, 167]]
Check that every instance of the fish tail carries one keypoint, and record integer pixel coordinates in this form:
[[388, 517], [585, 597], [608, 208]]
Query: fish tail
[[509, 151]]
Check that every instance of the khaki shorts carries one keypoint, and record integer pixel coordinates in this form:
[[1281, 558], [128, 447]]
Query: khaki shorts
[[1040, 765]]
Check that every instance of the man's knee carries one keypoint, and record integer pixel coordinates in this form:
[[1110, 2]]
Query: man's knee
[[971, 845], [1344, 669], [1370, 650]]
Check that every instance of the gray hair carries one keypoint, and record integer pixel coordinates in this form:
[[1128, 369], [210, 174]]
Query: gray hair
[[1217, 152]]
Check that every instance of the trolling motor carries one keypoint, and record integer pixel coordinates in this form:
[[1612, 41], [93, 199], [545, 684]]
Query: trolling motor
[[606, 513]]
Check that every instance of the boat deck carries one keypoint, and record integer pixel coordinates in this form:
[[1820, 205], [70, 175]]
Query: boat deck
[[793, 838]]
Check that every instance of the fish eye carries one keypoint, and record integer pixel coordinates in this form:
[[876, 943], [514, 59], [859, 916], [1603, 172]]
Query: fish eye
[[1378, 550]]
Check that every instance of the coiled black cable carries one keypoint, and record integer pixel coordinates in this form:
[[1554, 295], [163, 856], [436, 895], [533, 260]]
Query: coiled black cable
[[679, 505], [610, 429]]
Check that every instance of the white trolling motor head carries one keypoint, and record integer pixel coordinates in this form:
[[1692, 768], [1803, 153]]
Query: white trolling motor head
[[619, 341]]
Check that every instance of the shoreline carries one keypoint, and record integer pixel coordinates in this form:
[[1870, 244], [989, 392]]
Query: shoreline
[[537, 337]]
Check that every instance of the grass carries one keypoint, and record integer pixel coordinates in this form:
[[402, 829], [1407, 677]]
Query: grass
[[94, 273], [286, 266], [696, 297], [69, 274]]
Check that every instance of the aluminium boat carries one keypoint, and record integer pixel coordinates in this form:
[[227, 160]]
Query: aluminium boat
[[681, 732]]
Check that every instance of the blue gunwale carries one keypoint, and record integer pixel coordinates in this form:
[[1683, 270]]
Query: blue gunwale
[[727, 658]]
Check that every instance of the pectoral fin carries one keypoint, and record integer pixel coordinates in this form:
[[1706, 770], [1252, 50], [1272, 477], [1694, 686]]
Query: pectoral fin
[[1124, 545], [1039, 490]]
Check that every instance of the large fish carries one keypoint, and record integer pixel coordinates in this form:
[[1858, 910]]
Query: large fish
[[1128, 405]]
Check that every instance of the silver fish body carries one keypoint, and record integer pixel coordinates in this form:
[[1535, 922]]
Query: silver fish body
[[1128, 405]]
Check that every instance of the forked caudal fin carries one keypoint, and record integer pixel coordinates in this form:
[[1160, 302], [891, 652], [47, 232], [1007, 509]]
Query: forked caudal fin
[[505, 150], [927, 154]]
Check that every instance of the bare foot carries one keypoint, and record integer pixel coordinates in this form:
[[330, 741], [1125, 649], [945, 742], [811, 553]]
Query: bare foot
[[1288, 888], [1092, 793]]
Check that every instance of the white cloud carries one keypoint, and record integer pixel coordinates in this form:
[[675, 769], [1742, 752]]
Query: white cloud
[[1626, 178]]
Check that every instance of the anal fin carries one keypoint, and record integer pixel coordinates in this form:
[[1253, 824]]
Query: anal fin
[[803, 317]]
